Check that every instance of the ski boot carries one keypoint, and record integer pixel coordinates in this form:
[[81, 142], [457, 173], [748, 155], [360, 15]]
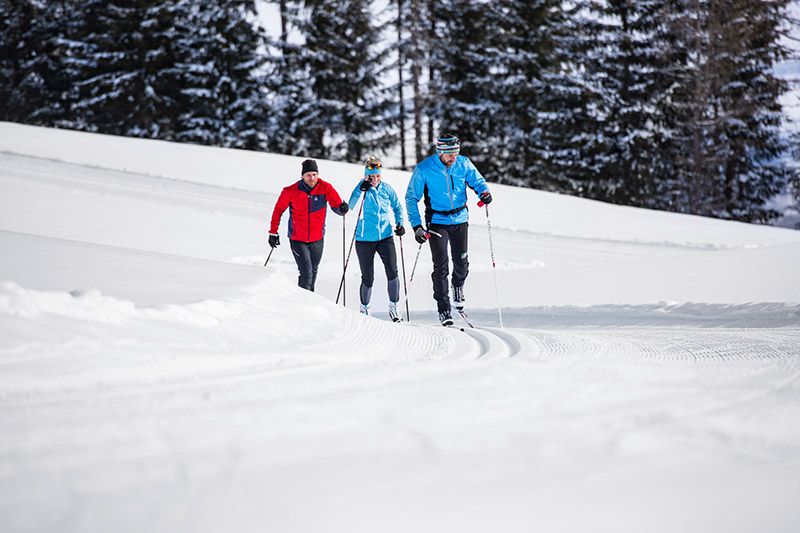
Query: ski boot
[[394, 314], [445, 318], [458, 297]]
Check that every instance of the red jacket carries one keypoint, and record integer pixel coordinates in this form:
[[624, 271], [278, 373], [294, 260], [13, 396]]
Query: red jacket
[[306, 210]]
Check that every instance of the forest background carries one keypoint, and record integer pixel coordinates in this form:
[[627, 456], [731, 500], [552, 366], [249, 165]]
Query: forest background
[[675, 105]]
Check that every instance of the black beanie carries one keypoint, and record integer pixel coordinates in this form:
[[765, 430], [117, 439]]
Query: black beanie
[[309, 165]]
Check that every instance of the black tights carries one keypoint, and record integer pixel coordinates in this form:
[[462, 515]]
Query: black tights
[[307, 255], [456, 236]]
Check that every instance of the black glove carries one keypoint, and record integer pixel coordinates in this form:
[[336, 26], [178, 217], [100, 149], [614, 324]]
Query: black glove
[[399, 230], [344, 208], [486, 198], [420, 235], [365, 185], [274, 240]]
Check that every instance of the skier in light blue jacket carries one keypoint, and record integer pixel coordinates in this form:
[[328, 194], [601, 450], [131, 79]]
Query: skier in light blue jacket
[[442, 180], [374, 234]]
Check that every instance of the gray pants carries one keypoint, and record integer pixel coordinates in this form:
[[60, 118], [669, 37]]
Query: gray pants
[[366, 260]]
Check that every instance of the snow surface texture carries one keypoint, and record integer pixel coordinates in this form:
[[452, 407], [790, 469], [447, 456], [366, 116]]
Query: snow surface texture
[[154, 376]]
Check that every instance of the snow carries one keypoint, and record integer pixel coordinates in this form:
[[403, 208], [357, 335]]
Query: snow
[[155, 376]]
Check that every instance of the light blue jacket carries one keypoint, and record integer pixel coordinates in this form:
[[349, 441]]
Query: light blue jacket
[[374, 223], [444, 190]]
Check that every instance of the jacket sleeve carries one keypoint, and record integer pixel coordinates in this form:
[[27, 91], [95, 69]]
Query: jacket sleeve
[[475, 179], [355, 195], [414, 192], [334, 200], [396, 207], [280, 207]]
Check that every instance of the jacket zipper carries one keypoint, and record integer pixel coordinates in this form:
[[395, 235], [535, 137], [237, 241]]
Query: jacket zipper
[[449, 188], [363, 219], [363, 215]]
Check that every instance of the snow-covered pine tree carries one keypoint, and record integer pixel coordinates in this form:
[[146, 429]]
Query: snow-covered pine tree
[[32, 79], [222, 100], [401, 50], [421, 15], [122, 62], [239, 62], [794, 180], [626, 61], [352, 110], [196, 73], [288, 86], [548, 141], [183, 70], [464, 60], [724, 110], [754, 170]]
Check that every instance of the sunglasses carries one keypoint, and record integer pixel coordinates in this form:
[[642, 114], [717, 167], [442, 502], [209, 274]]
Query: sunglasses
[[374, 166]]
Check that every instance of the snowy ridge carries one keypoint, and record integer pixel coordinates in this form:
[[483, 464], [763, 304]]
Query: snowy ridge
[[227, 332]]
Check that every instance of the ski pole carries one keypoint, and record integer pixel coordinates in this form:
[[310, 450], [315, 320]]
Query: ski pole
[[415, 263], [270, 255], [494, 267], [347, 261], [405, 286], [344, 263], [417, 258]]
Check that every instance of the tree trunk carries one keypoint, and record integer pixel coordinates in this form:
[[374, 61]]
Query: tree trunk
[[400, 84]]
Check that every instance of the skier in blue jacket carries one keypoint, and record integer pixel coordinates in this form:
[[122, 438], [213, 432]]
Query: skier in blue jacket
[[442, 180], [374, 234]]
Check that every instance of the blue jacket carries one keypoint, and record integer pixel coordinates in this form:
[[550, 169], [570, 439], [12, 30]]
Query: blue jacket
[[444, 190], [374, 223]]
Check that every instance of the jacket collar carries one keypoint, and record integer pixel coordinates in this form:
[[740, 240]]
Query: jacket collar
[[305, 188], [440, 165]]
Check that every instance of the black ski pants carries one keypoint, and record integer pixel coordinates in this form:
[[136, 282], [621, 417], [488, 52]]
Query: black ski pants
[[307, 255], [456, 237], [366, 259]]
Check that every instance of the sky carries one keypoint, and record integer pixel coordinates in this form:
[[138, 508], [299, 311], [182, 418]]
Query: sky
[[156, 376]]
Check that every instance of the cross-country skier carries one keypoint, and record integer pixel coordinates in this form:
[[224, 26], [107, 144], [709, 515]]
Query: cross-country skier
[[374, 233], [442, 180], [306, 201]]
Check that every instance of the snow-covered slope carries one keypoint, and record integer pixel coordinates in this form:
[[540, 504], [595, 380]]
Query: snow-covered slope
[[154, 376]]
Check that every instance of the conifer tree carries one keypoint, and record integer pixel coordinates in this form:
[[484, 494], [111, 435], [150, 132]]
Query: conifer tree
[[352, 110], [463, 58], [220, 71], [121, 56], [626, 61], [754, 171], [32, 80], [724, 109], [549, 143], [288, 86]]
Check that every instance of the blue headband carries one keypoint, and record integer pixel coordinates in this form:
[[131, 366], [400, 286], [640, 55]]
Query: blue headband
[[371, 171]]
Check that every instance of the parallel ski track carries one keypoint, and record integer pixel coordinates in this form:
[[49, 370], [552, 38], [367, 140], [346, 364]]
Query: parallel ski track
[[699, 345], [134, 184]]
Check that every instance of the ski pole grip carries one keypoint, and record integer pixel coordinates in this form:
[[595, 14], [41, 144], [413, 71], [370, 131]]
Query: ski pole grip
[[480, 203]]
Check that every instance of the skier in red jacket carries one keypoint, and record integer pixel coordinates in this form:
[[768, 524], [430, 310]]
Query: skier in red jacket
[[306, 201]]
